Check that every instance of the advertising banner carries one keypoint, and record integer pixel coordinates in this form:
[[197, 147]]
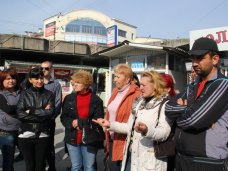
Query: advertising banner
[[219, 34], [50, 29], [112, 36]]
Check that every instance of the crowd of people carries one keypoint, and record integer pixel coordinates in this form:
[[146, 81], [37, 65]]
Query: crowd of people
[[140, 115]]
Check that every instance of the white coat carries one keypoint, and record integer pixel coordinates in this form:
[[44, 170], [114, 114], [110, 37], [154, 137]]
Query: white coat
[[142, 154]]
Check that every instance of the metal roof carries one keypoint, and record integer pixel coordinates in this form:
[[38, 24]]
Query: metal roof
[[125, 47]]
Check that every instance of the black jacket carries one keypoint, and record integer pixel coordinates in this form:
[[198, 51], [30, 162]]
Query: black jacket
[[31, 110], [69, 113]]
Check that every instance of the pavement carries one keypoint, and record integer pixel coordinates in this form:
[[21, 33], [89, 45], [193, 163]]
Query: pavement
[[62, 159]]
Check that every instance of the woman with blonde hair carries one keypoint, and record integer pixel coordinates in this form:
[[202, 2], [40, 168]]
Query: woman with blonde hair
[[79, 108], [143, 127]]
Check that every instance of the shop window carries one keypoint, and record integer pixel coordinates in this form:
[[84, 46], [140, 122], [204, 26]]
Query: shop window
[[156, 61], [136, 62], [118, 61]]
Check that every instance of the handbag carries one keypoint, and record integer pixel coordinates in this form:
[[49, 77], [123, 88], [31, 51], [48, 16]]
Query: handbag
[[92, 136], [165, 148]]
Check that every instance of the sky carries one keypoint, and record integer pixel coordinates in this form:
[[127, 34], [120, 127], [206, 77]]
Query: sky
[[165, 19]]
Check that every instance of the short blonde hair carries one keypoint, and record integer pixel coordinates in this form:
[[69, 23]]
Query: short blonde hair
[[83, 77], [158, 81], [124, 69]]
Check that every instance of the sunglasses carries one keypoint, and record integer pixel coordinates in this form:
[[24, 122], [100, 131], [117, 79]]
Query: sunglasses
[[45, 68]]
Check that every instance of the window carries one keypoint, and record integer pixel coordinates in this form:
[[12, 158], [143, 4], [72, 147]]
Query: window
[[157, 61], [115, 62], [136, 62], [86, 25], [73, 28], [122, 33], [86, 29], [99, 30]]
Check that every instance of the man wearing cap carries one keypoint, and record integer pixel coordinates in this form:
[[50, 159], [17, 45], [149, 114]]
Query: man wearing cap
[[201, 113]]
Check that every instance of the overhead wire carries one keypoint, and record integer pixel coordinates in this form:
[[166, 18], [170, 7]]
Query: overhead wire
[[204, 15], [38, 6]]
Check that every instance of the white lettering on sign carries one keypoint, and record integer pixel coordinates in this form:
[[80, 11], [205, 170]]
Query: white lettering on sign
[[220, 35]]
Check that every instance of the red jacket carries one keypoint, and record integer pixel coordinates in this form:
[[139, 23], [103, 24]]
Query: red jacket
[[122, 115]]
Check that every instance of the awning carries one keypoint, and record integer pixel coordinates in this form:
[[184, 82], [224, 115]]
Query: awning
[[127, 46]]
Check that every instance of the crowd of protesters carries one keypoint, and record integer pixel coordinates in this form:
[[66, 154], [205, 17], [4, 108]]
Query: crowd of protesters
[[139, 115]]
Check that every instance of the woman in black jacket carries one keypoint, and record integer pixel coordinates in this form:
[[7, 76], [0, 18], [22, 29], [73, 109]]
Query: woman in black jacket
[[79, 108], [35, 110]]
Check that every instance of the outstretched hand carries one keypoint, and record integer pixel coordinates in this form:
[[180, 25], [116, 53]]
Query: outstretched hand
[[102, 122], [141, 128]]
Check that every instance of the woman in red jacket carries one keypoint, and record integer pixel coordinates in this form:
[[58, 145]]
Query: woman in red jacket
[[118, 109]]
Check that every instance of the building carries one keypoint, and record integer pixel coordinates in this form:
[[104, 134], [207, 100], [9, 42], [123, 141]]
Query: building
[[91, 27]]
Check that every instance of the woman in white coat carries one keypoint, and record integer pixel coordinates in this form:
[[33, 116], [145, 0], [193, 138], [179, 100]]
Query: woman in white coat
[[141, 127]]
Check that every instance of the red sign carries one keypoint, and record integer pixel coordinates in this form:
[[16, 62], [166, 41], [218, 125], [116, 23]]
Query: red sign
[[50, 29], [61, 73]]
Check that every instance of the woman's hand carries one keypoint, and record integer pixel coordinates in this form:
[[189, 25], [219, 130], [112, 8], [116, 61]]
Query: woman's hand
[[102, 122], [141, 128], [48, 107], [75, 123]]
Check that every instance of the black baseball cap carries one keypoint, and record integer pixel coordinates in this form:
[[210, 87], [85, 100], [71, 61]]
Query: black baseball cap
[[203, 45]]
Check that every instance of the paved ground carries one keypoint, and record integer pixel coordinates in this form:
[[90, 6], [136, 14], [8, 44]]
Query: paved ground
[[62, 160]]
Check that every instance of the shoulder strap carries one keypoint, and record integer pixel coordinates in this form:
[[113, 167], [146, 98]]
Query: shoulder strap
[[160, 107], [3, 104], [3, 100]]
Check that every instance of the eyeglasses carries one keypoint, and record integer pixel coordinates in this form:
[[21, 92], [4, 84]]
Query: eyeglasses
[[45, 68]]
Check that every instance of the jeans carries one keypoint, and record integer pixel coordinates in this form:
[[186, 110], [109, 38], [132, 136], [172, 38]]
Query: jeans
[[7, 148], [82, 156]]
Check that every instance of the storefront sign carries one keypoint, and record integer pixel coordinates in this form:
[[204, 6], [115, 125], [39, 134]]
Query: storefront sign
[[137, 65], [220, 35]]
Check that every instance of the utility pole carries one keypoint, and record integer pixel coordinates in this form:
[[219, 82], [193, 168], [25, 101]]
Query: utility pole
[[54, 32]]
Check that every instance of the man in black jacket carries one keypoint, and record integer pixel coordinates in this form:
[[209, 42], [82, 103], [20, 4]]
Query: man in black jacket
[[201, 113]]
